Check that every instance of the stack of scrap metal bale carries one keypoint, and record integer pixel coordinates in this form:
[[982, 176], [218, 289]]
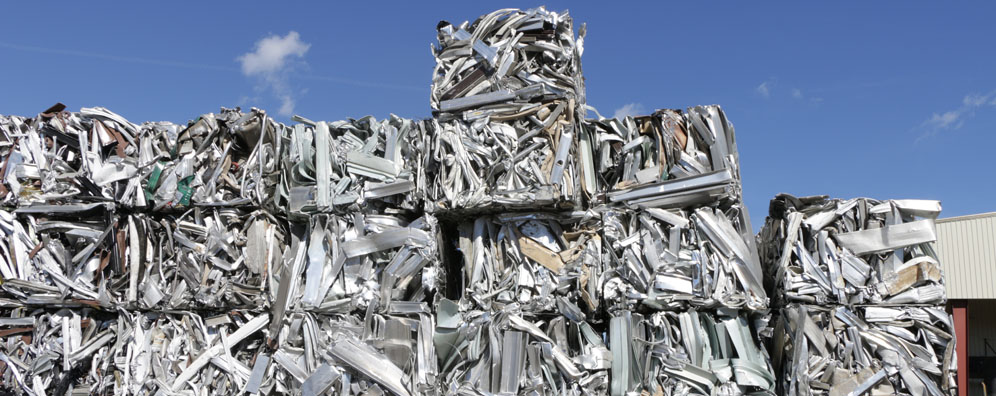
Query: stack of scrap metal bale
[[232, 254], [135, 255], [860, 295], [681, 283], [352, 307], [521, 313], [508, 245]]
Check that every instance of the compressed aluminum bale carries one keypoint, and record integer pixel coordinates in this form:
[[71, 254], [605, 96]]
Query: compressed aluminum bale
[[523, 156], [54, 352], [61, 157], [343, 264], [211, 258], [390, 353], [223, 353], [838, 350], [355, 164], [676, 259], [60, 253], [223, 159], [691, 352], [509, 352], [667, 159], [858, 251], [100, 353], [507, 56], [539, 262]]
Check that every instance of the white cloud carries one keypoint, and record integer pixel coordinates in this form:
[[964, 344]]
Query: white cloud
[[945, 121], [271, 61], [954, 119], [286, 105], [796, 93], [271, 54], [764, 89], [631, 109]]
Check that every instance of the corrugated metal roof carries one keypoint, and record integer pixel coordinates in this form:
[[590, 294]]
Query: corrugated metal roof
[[966, 247]]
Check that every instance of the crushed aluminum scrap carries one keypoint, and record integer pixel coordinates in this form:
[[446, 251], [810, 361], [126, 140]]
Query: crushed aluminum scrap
[[837, 351], [667, 159], [692, 352], [202, 259], [95, 155], [506, 246], [673, 259], [335, 167], [857, 251], [539, 262], [507, 57], [508, 96], [358, 263]]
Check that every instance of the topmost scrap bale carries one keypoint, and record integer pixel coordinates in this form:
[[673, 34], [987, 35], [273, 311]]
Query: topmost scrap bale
[[507, 56]]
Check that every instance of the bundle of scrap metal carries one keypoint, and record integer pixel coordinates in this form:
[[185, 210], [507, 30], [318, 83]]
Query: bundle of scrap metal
[[682, 281], [358, 263], [95, 155], [84, 254], [705, 353], [838, 350], [512, 352], [673, 259], [508, 96], [667, 159], [857, 251], [342, 166], [506, 246], [860, 295], [538, 262]]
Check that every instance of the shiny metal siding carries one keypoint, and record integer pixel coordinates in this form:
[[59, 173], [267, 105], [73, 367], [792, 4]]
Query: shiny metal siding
[[966, 247]]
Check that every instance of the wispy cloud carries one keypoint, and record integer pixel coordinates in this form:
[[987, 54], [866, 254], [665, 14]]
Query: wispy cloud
[[955, 119], [272, 62], [798, 95], [630, 109], [765, 89]]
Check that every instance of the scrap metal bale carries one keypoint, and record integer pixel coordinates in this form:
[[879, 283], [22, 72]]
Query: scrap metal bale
[[525, 156], [667, 159], [511, 352], [677, 259], [838, 350], [355, 164], [691, 352], [509, 55], [201, 259], [858, 251], [60, 157], [225, 159], [342, 264], [538, 262]]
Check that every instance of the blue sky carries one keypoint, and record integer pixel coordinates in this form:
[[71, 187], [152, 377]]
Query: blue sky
[[887, 100]]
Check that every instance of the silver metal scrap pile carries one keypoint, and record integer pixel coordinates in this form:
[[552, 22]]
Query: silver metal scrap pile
[[508, 98], [345, 166], [95, 155], [861, 297], [507, 245], [215, 283], [881, 350]]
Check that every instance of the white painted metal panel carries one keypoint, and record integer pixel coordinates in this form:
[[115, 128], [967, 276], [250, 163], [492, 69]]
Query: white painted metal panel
[[966, 247]]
